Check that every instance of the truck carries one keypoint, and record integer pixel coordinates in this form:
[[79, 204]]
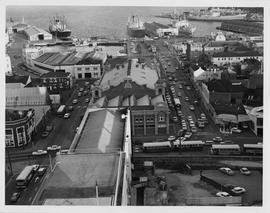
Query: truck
[[61, 110]]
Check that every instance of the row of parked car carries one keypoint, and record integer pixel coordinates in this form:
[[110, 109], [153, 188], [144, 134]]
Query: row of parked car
[[236, 190], [49, 148]]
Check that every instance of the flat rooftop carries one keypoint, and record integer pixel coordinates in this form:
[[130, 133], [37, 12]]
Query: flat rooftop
[[102, 132], [76, 175]]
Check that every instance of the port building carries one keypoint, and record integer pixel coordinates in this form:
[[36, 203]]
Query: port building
[[36, 34], [135, 85]]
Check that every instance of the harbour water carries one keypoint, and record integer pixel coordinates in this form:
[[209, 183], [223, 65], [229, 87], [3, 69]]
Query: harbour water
[[104, 21]]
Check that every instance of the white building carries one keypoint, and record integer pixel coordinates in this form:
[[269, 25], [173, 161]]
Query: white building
[[8, 65], [171, 31], [180, 47], [223, 58], [36, 34], [256, 117], [220, 37], [210, 73]]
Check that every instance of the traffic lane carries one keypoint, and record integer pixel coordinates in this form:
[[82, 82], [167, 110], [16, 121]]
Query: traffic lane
[[10, 189]]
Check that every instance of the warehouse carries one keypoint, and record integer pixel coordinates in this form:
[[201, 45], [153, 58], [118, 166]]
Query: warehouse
[[36, 34]]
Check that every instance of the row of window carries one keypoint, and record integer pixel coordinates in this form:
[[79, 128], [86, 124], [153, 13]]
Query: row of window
[[161, 118], [54, 80], [231, 59], [86, 68], [21, 137]]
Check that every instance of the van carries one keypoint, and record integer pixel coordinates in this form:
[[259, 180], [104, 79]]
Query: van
[[209, 142]]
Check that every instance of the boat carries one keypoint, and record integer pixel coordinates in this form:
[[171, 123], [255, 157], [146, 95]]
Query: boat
[[173, 15], [184, 29], [58, 28], [135, 27], [217, 14]]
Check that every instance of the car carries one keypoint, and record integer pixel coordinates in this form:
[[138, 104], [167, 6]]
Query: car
[[223, 194], [175, 119], [49, 128], [188, 88], [184, 127], [87, 100], [81, 89], [179, 94], [234, 129], [238, 190], [192, 125], [79, 94], [217, 139], [136, 149], [202, 115], [85, 92], [39, 152], [188, 134], [193, 129], [67, 115], [190, 118], [245, 171], [245, 126], [53, 147], [180, 86], [179, 113], [70, 108], [226, 170], [86, 83], [35, 167], [171, 138], [191, 107], [41, 171], [45, 134], [196, 102], [75, 101], [15, 196]]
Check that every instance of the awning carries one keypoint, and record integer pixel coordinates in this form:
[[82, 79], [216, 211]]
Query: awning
[[227, 118], [243, 118]]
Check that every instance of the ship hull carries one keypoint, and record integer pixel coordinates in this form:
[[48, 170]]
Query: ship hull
[[61, 34], [220, 18], [136, 33]]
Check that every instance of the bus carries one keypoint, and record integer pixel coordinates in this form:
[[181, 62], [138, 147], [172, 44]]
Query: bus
[[61, 110], [191, 145], [157, 146], [223, 149], [24, 177], [253, 149]]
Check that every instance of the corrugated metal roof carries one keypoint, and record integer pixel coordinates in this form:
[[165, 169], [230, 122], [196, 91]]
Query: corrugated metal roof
[[157, 99], [143, 101]]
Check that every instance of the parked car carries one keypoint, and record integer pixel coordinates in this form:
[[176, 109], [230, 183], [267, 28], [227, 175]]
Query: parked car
[[79, 94], [223, 194], [41, 171], [15, 196], [188, 88], [245, 171], [180, 86], [81, 89], [53, 147], [171, 138], [238, 190], [191, 107], [35, 167], [209, 142], [226, 170], [186, 99], [217, 139], [45, 134], [67, 115], [179, 94], [75, 101], [87, 100], [175, 119], [188, 134], [193, 129], [234, 129], [39, 152]]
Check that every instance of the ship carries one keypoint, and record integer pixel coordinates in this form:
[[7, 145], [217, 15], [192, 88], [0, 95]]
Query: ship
[[173, 15], [184, 29], [135, 27], [58, 28], [217, 14]]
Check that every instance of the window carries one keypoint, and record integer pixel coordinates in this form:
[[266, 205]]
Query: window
[[9, 138], [87, 68], [95, 68], [259, 121], [79, 68], [21, 136], [161, 118]]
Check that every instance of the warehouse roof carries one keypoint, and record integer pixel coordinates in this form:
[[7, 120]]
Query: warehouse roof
[[237, 54], [56, 75]]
